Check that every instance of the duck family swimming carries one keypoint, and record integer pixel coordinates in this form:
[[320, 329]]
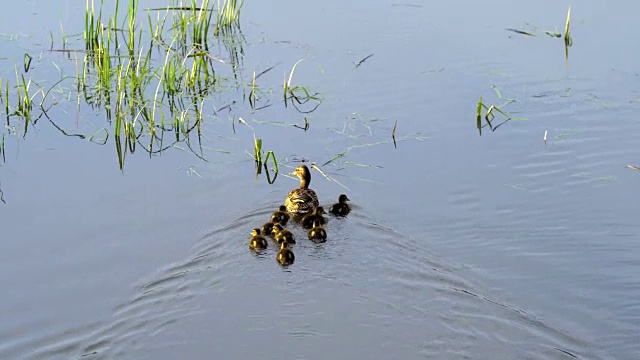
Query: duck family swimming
[[303, 206]]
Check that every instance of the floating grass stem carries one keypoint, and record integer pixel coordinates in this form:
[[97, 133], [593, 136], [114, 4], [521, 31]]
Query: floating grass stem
[[520, 32], [271, 155], [27, 62]]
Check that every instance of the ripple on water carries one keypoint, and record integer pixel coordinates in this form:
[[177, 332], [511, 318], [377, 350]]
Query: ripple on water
[[369, 284]]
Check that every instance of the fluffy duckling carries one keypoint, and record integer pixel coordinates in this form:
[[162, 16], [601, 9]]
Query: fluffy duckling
[[282, 235], [285, 256], [281, 216], [317, 233], [301, 200], [341, 208], [257, 242], [307, 221], [267, 228]]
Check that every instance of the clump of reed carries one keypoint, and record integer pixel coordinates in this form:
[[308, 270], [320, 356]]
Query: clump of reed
[[489, 114], [149, 71]]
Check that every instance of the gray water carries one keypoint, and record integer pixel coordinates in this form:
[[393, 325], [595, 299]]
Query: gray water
[[459, 245]]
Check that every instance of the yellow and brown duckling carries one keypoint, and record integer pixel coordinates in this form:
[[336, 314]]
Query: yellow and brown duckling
[[341, 208], [285, 255], [280, 216], [317, 233], [302, 200], [267, 228], [281, 235], [257, 242], [307, 221]]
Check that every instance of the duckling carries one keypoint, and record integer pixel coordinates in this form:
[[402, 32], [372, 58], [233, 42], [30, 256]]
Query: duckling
[[285, 255], [281, 216], [341, 208], [317, 233], [282, 235], [302, 200], [257, 242], [307, 221], [267, 228]]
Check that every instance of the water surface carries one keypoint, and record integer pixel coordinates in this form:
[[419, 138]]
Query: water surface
[[459, 245]]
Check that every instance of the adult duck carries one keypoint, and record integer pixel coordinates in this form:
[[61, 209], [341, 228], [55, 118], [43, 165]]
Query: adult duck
[[302, 200]]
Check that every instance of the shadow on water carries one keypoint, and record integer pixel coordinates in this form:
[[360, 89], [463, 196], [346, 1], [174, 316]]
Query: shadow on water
[[369, 283]]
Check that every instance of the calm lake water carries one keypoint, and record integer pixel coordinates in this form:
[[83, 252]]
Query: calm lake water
[[498, 246]]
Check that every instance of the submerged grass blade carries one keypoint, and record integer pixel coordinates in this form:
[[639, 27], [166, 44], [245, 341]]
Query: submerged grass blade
[[520, 32], [314, 166], [393, 134], [362, 61]]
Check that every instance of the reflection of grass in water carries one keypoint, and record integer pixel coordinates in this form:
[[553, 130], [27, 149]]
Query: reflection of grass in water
[[149, 71], [150, 80], [118, 74], [149, 75], [489, 116], [298, 95]]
